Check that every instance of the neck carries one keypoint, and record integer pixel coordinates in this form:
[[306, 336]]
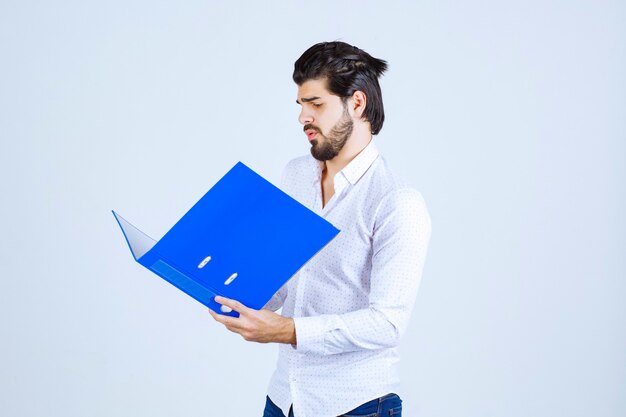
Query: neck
[[359, 139]]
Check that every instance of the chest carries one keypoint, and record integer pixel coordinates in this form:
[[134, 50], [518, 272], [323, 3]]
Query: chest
[[328, 190]]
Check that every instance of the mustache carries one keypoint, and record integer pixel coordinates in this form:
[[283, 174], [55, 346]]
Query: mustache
[[310, 127]]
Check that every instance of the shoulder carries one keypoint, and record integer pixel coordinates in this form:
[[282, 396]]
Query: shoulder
[[389, 186], [397, 197], [296, 170], [299, 163]]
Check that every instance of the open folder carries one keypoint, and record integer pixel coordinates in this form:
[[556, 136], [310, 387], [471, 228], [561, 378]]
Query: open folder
[[242, 240]]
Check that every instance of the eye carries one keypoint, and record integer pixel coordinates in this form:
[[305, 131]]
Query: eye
[[317, 105]]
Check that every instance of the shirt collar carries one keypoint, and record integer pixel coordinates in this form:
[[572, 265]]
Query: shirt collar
[[355, 168]]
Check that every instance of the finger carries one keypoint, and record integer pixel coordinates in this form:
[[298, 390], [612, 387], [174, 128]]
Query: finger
[[228, 321], [214, 315], [234, 304]]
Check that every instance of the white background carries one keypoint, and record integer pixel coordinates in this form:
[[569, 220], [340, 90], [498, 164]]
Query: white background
[[507, 116]]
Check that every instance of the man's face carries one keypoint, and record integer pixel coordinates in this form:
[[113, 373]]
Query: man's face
[[326, 119]]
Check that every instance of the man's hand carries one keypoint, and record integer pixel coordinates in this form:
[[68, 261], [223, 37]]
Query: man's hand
[[261, 326]]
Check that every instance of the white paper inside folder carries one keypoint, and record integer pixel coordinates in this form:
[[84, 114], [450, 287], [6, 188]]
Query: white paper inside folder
[[138, 242]]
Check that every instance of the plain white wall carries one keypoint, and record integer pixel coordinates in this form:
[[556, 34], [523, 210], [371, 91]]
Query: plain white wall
[[507, 116]]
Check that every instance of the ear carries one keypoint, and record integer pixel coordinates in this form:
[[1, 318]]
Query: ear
[[357, 103]]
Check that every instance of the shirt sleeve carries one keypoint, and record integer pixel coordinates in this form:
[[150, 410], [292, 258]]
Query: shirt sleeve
[[399, 245], [277, 300]]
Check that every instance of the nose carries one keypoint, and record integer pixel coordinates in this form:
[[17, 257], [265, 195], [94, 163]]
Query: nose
[[305, 116]]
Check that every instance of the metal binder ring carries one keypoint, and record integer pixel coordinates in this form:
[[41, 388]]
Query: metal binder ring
[[230, 279], [204, 262]]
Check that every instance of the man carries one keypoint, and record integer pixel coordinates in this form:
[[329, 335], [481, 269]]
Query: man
[[343, 314]]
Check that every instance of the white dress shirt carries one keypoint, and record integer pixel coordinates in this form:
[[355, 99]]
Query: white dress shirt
[[352, 301]]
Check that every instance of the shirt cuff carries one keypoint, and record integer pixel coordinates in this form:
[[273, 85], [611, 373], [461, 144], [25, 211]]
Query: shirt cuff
[[310, 332]]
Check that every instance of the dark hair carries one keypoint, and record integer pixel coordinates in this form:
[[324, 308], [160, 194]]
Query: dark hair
[[347, 69]]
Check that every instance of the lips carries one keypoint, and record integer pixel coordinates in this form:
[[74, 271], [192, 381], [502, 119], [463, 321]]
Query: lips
[[310, 134]]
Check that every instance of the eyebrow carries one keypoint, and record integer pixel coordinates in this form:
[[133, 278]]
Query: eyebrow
[[306, 100]]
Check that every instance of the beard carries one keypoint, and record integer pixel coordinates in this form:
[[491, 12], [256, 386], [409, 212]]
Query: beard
[[327, 147]]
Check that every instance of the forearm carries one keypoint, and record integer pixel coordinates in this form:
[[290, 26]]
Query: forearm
[[285, 332], [366, 329]]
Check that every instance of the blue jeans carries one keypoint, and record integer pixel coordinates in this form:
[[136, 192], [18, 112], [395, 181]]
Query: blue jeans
[[385, 406]]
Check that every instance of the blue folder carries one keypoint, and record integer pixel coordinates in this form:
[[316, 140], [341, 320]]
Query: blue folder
[[243, 240]]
